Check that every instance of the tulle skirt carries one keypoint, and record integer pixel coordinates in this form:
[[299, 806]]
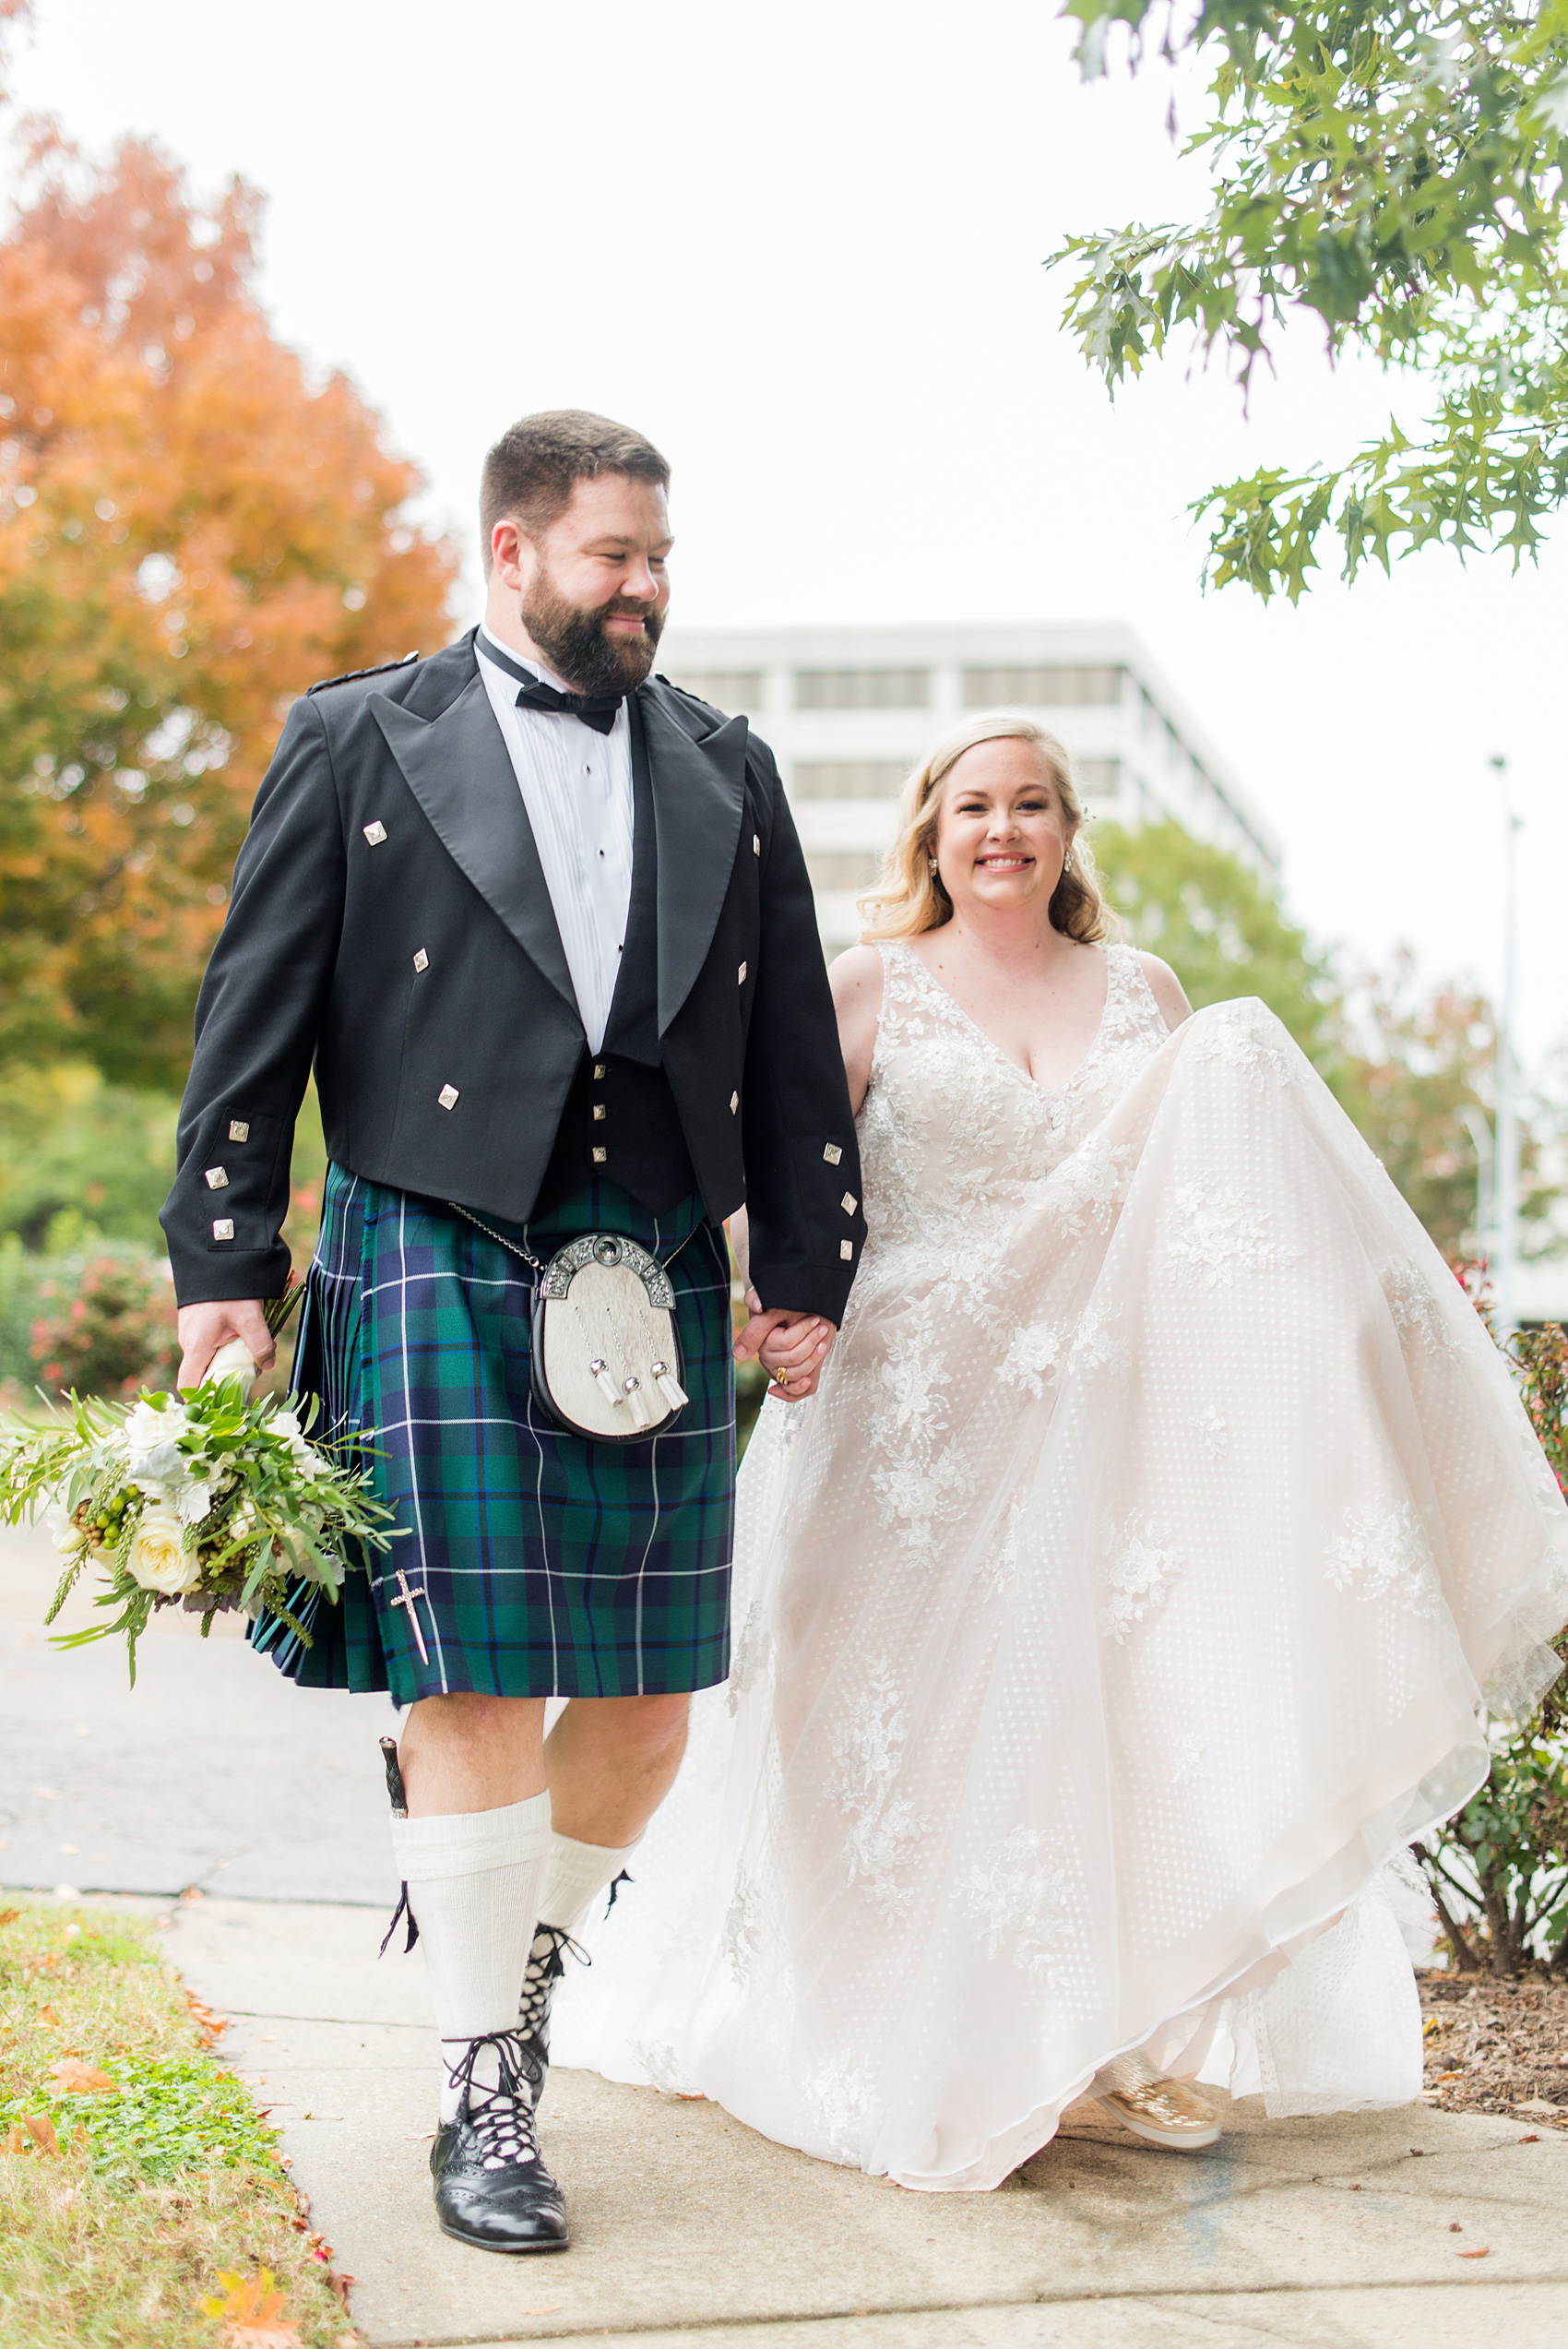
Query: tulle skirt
[[1094, 1722]]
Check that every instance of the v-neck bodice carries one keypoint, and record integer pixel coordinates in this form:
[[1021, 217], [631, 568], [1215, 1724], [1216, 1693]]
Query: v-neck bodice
[[952, 1130]]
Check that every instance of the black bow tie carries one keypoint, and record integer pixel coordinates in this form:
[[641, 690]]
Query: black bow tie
[[598, 711]]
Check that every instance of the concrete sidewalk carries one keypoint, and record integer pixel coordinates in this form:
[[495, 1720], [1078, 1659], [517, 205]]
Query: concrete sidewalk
[[213, 1770], [688, 2227], [689, 2232]]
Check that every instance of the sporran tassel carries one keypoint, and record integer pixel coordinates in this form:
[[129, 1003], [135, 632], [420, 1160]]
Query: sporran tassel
[[637, 1403]]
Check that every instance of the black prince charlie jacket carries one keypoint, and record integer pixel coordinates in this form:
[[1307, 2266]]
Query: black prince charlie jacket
[[390, 922]]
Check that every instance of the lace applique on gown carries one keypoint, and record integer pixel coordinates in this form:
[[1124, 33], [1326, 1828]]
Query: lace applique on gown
[[1117, 1608]]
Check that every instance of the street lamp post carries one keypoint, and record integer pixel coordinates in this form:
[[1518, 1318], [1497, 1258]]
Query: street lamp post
[[1505, 1175]]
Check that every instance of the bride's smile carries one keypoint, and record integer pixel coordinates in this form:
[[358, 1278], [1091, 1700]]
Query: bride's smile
[[1003, 837]]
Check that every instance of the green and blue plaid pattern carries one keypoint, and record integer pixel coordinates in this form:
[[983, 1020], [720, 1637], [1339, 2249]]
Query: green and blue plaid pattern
[[546, 1565]]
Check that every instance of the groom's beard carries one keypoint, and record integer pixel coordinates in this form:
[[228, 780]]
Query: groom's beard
[[573, 638]]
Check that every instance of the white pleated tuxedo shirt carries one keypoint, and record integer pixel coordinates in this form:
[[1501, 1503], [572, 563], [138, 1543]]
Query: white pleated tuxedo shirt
[[577, 788]]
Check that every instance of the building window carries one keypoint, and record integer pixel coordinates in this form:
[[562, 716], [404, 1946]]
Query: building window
[[1099, 778], [849, 777], [1047, 687], [855, 868], [726, 688], [863, 688]]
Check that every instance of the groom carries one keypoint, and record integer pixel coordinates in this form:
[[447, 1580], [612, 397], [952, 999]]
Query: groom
[[540, 923]]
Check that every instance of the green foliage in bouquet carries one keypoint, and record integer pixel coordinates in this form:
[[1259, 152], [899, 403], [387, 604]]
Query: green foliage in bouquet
[[1498, 1870], [201, 1499]]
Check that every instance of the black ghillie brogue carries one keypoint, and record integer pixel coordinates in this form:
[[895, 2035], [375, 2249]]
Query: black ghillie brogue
[[492, 2187], [547, 1963]]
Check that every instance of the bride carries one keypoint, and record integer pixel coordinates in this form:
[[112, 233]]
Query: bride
[[1114, 1599]]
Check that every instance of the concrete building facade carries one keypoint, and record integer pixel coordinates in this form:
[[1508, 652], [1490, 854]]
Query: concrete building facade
[[847, 712]]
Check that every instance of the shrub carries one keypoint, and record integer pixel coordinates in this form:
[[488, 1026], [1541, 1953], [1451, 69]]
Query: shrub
[[104, 1324], [1498, 1870]]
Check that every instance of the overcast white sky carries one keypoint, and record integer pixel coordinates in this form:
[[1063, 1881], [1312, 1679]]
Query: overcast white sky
[[801, 246]]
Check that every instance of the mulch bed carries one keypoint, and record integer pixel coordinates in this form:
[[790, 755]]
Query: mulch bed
[[1496, 2047]]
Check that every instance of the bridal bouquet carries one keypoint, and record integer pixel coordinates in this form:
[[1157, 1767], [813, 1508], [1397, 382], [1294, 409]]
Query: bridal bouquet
[[202, 1499]]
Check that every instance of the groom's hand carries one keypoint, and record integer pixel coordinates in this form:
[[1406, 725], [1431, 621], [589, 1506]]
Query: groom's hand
[[794, 1344], [205, 1329]]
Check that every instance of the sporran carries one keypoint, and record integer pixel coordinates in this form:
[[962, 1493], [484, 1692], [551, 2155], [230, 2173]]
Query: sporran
[[606, 1354]]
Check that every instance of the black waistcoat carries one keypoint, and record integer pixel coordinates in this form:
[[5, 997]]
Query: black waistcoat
[[620, 1117]]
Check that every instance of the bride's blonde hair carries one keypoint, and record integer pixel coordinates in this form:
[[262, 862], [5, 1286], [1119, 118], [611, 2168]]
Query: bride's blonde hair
[[909, 897]]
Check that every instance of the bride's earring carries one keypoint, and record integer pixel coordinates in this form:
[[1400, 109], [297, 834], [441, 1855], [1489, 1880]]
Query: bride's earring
[[931, 861]]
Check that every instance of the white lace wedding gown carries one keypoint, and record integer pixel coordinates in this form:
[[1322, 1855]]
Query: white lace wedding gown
[[1116, 1610]]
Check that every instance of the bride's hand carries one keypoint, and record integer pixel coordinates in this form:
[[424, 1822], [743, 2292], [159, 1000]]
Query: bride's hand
[[792, 1347]]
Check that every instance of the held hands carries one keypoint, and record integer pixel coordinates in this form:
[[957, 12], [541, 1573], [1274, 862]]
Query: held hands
[[204, 1329], [792, 1347]]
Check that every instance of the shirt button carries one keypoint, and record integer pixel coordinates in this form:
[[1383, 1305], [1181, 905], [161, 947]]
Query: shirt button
[[598, 1113], [600, 1156]]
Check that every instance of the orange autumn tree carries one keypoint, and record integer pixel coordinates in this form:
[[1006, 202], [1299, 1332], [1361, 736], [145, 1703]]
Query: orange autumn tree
[[191, 532]]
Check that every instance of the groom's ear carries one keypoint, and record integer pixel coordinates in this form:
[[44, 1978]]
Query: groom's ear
[[509, 550]]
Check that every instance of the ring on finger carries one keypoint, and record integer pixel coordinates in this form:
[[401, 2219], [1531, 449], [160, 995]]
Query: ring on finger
[[781, 1377]]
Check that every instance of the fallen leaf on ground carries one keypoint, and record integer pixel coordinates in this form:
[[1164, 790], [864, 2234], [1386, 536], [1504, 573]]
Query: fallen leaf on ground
[[73, 2078], [41, 2128], [9, 1917], [209, 2027], [1481, 2252], [1531, 2140], [14, 2142], [253, 2312], [47, 2016]]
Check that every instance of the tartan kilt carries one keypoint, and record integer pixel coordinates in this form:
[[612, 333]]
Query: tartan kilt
[[550, 1565]]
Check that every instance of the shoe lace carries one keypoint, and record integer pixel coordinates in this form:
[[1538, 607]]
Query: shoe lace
[[547, 1963], [501, 2116]]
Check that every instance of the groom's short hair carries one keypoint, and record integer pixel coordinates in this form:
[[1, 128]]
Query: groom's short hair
[[531, 471]]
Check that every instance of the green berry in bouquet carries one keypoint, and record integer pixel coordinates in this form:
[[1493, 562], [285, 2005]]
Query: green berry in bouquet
[[204, 1499]]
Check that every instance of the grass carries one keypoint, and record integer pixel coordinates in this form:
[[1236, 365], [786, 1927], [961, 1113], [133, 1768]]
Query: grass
[[143, 2204]]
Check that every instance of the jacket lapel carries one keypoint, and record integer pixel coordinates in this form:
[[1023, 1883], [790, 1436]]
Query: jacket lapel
[[457, 768], [699, 790]]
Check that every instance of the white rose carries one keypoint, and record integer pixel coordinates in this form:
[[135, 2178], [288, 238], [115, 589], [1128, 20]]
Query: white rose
[[285, 1422], [159, 1560]]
